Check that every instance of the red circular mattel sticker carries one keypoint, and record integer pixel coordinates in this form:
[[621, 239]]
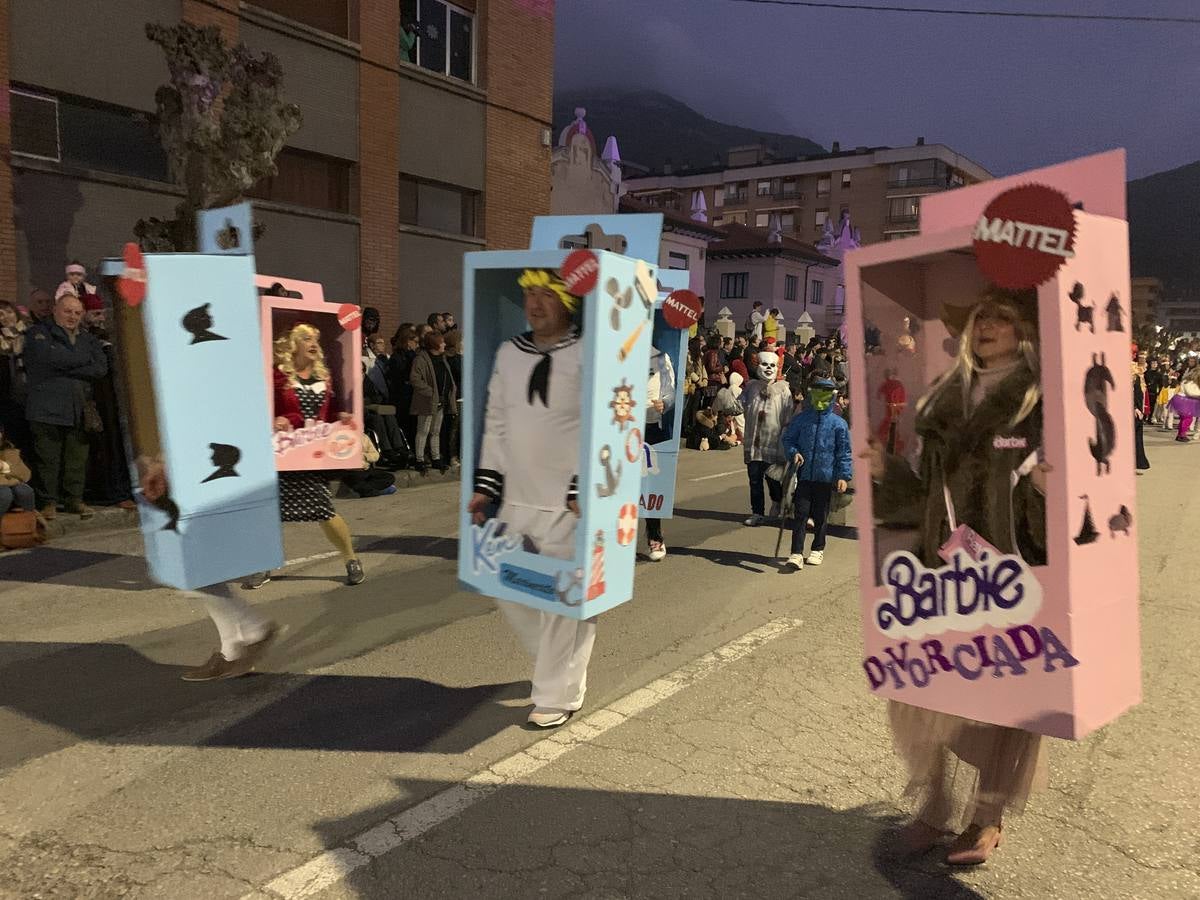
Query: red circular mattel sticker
[[1024, 236], [131, 283], [580, 271], [682, 309], [349, 317]]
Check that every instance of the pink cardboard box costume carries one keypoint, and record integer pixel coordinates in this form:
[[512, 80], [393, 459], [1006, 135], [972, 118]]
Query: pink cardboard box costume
[[319, 445], [1048, 648]]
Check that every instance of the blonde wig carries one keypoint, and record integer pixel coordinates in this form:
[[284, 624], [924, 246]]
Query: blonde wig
[[544, 279], [1018, 307], [285, 353]]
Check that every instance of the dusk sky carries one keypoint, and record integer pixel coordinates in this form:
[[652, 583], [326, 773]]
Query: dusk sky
[[1011, 94]]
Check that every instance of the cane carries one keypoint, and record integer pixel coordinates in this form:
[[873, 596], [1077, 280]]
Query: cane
[[785, 508]]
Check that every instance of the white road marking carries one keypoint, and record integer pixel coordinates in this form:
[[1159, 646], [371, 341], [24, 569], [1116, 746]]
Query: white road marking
[[333, 865], [718, 475]]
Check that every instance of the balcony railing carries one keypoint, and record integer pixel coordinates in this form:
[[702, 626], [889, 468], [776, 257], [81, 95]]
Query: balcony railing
[[919, 183], [903, 220]]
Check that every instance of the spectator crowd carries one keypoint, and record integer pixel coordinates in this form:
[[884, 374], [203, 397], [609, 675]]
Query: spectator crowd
[[62, 449]]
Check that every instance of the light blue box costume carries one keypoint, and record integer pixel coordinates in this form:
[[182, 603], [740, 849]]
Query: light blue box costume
[[206, 376], [661, 464], [642, 236], [494, 563]]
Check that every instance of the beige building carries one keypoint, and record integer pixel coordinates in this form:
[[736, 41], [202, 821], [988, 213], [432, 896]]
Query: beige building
[[752, 264], [587, 181], [584, 179], [881, 187]]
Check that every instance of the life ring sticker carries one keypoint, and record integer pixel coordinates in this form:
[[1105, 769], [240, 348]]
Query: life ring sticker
[[633, 446]]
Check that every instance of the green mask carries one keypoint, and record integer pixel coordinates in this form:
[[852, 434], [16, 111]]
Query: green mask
[[820, 398]]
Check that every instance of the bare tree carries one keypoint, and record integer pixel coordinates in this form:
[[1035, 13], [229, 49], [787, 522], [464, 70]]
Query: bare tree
[[222, 123]]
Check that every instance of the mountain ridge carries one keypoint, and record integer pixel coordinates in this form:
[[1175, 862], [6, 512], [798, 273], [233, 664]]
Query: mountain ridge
[[653, 128]]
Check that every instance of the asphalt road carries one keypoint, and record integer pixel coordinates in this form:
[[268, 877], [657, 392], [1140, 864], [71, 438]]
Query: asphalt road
[[728, 747]]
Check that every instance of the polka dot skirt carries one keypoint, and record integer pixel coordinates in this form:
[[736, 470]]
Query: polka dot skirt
[[305, 496]]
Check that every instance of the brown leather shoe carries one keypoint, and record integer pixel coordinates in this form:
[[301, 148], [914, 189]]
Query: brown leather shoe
[[974, 846], [49, 512], [81, 509], [218, 667], [215, 669]]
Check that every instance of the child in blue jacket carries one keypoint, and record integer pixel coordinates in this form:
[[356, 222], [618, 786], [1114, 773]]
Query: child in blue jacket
[[818, 441]]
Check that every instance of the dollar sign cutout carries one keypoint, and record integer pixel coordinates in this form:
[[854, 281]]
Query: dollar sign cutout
[[1096, 383]]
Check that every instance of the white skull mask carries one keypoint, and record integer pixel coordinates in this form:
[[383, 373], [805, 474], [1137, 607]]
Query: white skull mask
[[768, 366]]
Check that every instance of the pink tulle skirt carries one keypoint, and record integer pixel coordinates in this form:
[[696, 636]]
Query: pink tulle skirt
[[963, 772]]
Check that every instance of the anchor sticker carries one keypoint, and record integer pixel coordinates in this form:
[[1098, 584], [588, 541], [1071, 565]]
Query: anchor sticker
[[612, 481]]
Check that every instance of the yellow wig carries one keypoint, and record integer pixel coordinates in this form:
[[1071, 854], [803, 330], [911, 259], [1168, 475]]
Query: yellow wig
[[285, 353], [544, 279]]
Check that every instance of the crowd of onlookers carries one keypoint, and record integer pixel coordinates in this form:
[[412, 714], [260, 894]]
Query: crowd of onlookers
[[411, 392], [61, 444], [719, 367]]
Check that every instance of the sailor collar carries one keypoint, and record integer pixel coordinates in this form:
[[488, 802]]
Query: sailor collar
[[524, 343], [539, 378]]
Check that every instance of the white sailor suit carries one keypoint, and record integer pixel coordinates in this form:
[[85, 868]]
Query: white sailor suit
[[527, 463]]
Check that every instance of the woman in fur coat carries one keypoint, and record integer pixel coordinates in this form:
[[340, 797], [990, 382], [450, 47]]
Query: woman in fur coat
[[980, 427]]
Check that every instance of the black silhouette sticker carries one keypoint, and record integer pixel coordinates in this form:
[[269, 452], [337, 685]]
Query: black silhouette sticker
[[224, 457], [1083, 313], [1095, 394], [1088, 533], [199, 322], [1114, 314], [1120, 522]]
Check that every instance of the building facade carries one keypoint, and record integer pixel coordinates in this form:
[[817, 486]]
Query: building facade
[[411, 152], [881, 187], [753, 264]]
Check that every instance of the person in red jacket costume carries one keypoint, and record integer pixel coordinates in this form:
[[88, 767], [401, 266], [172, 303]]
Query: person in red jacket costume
[[304, 392]]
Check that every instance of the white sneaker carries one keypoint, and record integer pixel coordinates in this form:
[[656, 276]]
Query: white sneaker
[[794, 563], [658, 550], [549, 718], [816, 558], [774, 513], [754, 520]]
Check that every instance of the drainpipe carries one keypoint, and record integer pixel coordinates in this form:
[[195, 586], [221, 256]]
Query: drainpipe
[[806, 268]]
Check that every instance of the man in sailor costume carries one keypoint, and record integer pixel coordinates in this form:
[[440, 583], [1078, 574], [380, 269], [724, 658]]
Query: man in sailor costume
[[527, 465]]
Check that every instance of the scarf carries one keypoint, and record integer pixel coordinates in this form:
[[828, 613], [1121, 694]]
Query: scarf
[[539, 378]]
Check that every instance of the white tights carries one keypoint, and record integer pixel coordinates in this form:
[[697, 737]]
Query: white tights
[[238, 623]]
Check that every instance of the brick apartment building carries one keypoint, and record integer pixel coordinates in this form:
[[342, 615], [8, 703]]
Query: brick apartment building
[[406, 160], [880, 187]]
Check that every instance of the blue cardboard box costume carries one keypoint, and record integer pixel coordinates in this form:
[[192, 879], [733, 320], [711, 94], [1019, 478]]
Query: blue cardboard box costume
[[194, 396], [544, 426], [660, 462]]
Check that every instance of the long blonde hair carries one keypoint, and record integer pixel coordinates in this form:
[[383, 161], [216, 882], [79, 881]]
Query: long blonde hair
[[285, 352], [1011, 304]]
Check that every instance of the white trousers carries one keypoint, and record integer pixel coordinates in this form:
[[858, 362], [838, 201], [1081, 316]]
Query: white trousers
[[560, 646], [238, 623]]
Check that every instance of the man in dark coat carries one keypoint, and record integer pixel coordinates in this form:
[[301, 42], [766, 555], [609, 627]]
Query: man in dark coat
[[61, 362]]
